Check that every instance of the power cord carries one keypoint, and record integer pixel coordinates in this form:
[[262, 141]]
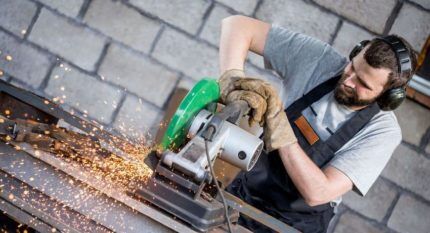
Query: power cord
[[209, 132]]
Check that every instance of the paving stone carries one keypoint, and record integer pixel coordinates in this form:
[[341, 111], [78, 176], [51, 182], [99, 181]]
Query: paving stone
[[137, 119], [409, 170], [83, 92], [187, 83], [427, 148], [376, 202], [412, 24], [20, 84], [348, 36], [370, 14], [16, 15], [244, 6], [128, 26], [68, 7], [423, 3], [185, 14], [413, 120], [212, 32], [349, 222], [410, 215], [75, 43], [17, 83], [139, 75], [193, 58], [212, 29], [27, 64], [4, 76], [290, 13]]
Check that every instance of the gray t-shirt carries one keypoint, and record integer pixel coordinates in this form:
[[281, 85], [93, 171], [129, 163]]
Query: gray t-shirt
[[304, 62]]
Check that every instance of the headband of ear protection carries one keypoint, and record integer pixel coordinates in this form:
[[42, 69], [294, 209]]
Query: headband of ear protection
[[392, 98]]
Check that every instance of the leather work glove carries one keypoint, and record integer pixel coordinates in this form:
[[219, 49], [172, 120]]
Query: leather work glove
[[226, 82], [255, 101], [277, 128]]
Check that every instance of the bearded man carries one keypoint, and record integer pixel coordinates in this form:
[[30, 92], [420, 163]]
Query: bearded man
[[330, 128]]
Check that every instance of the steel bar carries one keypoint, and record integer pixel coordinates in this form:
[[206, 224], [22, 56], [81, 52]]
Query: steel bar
[[112, 209], [258, 215], [39, 211]]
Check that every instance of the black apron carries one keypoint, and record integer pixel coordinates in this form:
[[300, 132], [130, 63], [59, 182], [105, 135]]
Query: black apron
[[269, 188]]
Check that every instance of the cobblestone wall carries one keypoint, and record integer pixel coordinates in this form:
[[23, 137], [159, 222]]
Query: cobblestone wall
[[117, 62]]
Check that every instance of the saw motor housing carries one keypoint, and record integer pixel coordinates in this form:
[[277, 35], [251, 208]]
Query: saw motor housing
[[229, 142]]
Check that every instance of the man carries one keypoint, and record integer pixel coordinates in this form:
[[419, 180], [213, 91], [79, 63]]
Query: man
[[333, 137]]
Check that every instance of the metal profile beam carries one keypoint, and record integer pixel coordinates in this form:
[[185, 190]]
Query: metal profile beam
[[22, 216], [122, 213], [37, 210], [258, 215], [58, 172]]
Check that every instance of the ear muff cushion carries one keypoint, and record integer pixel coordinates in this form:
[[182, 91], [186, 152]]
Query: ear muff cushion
[[392, 99]]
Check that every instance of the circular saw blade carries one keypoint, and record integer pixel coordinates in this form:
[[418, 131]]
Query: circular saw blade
[[203, 93]]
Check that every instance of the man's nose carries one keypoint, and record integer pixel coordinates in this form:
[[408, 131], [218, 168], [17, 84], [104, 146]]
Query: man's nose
[[350, 80]]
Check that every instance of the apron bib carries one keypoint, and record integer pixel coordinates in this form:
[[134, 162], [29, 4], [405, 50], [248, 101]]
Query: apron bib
[[269, 188]]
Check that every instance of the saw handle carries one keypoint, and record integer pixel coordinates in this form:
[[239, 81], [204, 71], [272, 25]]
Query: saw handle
[[234, 111]]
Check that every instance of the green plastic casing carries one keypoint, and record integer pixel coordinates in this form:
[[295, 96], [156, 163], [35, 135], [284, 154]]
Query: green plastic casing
[[205, 91]]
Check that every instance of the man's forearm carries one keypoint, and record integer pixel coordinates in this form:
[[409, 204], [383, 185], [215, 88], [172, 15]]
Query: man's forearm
[[233, 46], [307, 177], [315, 185], [239, 34]]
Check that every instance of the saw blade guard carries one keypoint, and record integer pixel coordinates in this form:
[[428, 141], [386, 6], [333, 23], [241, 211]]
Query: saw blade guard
[[206, 91], [232, 143]]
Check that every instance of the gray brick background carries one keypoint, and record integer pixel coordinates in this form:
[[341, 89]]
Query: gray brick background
[[118, 61], [370, 14], [123, 24], [83, 92], [17, 16], [68, 7], [69, 40], [311, 20]]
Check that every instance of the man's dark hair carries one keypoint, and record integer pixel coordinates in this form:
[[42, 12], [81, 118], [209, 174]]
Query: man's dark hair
[[380, 55]]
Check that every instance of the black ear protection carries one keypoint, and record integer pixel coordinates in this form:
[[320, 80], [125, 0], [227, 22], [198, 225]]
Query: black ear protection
[[392, 98]]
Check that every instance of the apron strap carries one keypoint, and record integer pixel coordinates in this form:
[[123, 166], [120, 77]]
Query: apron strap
[[350, 128], [312, 96]]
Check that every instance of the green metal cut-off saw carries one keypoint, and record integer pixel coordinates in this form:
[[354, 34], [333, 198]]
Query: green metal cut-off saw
[[182, 183]]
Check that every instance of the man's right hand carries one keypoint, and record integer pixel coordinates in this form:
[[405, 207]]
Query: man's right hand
[[255, 101], [226, 82], [266, 106], [230, 93]]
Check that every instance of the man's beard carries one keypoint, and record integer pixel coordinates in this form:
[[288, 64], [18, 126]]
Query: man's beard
[[348, 96]]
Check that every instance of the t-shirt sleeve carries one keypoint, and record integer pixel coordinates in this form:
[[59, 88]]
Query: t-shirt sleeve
[[364, 157], [293, 54]]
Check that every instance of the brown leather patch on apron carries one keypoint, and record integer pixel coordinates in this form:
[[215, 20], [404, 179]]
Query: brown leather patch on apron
[[306, 130]]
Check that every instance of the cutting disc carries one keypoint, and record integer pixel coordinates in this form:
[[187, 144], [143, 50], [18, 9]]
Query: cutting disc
[[203, 93]]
